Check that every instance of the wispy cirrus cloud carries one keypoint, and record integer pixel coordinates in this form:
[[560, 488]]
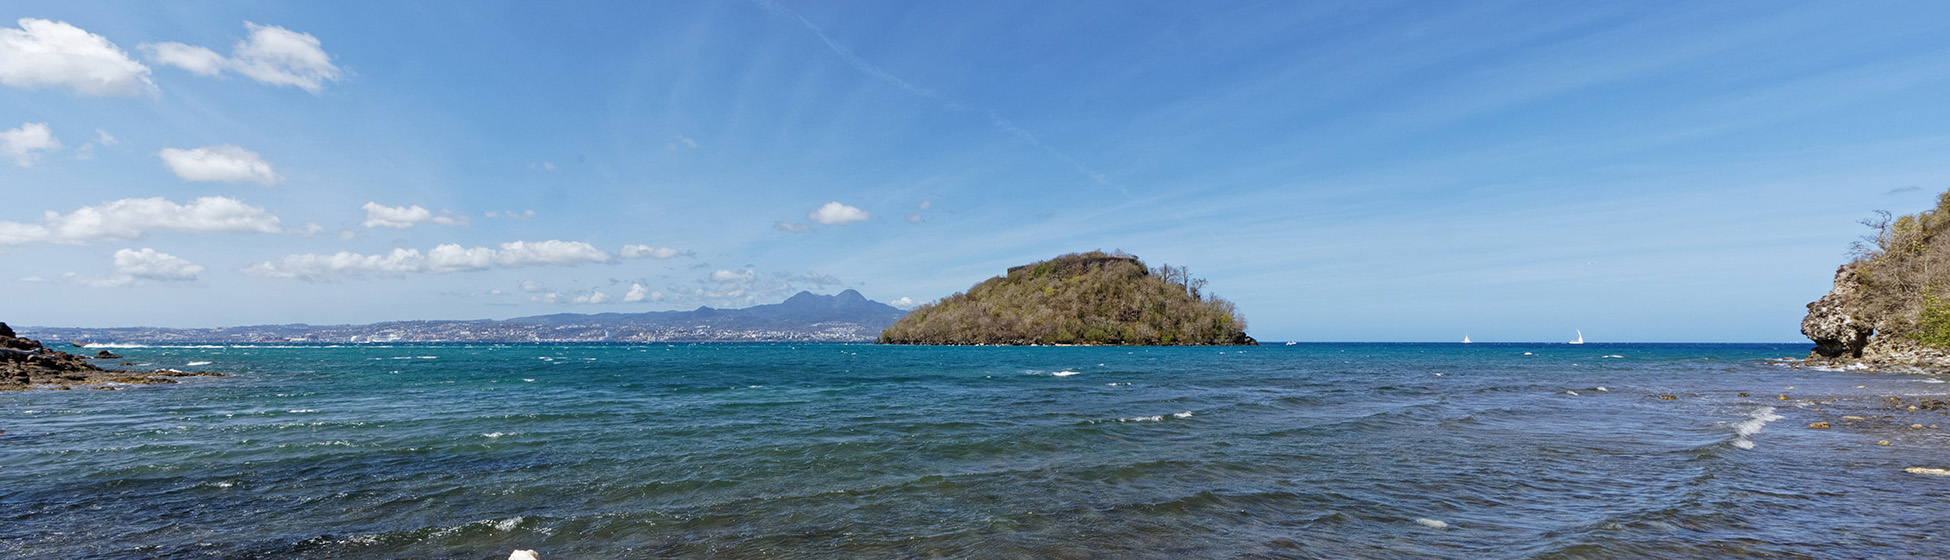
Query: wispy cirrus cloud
[[989, 114]]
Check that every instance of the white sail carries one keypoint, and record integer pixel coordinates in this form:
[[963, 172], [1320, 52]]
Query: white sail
[[1466, 339], [1580, 339]]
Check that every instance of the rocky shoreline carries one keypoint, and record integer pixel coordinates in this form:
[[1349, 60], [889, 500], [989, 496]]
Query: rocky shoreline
[[1846, 336], [27, 364]]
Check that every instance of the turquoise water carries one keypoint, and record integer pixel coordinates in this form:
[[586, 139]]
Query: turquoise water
[[858, 451]]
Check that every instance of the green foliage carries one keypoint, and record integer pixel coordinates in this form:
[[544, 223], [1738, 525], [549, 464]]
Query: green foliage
[[1900, 267], [1933, 326], [1079, 298]]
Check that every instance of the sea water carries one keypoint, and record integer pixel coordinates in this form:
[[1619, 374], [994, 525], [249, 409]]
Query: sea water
[[860, 451]]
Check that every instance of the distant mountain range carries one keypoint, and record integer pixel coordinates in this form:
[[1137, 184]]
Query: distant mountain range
[[843, 317]]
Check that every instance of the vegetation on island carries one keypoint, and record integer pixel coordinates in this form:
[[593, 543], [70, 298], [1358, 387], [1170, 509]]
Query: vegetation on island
[[1079, 298], [1903, 272]]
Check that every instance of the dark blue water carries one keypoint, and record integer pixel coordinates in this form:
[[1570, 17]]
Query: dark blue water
[[853, 451]]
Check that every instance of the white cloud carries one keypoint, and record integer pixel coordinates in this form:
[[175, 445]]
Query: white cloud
[[222, 162], [646, 251], [555, 252], [147, 264], [134, 266], [271, 55], [197, 60], [441, 259], [793, 227], [906, 303], [512, 215], [592, 297], [54, 54], [378, 216], [639, 292], [533, 287], [104, 138], [914, 217], [728, 276], [28, 143], [130, 218], [834, 213], [382, 216]]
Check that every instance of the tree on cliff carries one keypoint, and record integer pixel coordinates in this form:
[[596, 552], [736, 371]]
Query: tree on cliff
[[1079, 298], [1902, 272]]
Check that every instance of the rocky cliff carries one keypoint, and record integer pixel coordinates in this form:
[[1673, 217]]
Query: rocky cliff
[[1890, 307]]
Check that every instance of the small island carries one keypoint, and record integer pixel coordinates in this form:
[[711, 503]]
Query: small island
[[1092, 298], [1890, 307]]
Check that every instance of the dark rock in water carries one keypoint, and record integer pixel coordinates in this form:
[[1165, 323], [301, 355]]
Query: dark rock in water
[[26, 364], [7, 331], [105, 355]]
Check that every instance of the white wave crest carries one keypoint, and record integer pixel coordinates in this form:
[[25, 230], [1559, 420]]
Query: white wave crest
[[1755, 421], [194, 364]]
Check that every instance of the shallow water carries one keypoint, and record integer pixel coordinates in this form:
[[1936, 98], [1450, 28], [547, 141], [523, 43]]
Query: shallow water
[[854, 451]]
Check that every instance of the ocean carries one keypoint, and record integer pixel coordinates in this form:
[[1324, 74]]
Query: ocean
[[860, 451]]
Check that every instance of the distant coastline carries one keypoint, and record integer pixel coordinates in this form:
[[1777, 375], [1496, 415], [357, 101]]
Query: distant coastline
[[805, 317]]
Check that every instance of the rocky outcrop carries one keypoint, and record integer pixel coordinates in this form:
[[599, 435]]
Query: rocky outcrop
[[1833, 321], [1845, 334], [26, 364]]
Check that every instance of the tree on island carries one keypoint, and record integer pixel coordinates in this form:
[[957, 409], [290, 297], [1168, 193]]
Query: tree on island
[[1078, 298]]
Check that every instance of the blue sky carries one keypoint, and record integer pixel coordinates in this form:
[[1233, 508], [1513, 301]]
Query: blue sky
[[1643, 171]]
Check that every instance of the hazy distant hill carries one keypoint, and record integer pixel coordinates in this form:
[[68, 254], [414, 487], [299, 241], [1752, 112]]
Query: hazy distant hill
[[843, 317]]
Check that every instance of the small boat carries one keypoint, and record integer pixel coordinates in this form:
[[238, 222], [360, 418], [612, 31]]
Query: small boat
[[1580, 339], [1466, 340], [78, 344], [1290, 343]]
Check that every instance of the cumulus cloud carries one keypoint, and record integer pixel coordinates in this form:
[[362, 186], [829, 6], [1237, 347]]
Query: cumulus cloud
[[906, 303], [441, 259], [271, 55], [132, 266], [648, 252], [53, 54], [147, 264], [382, 216], [27, 143], [130, 218], [639, 292], [834, 213], [793, 227], [222, 162], [592, 297]]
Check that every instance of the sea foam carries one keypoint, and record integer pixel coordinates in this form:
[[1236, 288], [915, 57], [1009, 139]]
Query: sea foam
[[1752, 425]]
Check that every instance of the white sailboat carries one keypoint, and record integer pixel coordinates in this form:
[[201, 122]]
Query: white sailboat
[[1580, 339], [1466, 339]]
